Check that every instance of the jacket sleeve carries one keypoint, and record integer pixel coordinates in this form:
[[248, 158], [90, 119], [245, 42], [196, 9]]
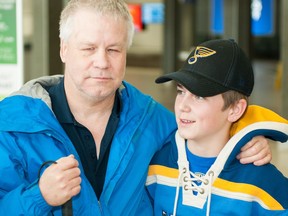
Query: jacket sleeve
[[164, 125], [18, 194]]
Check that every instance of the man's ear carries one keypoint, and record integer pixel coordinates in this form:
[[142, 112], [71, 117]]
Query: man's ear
[[237, 110], [63, 50]]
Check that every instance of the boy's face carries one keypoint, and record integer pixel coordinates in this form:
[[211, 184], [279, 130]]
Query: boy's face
[[199, 119]]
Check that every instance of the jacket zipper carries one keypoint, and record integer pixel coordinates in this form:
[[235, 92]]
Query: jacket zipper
[[100, 207]]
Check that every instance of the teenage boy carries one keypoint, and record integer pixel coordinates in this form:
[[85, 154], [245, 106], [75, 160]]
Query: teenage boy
[[197, 173]]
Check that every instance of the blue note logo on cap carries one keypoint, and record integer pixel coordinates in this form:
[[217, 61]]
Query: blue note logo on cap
[[200, 52]]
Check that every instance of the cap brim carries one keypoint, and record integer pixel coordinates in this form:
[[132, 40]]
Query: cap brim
[[196, 84]]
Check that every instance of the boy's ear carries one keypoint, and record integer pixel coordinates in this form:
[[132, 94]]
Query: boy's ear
[[237, 110]]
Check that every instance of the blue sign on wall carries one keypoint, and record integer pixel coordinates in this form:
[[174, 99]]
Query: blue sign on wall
[[262, 17], [217, 17], [152, 13]]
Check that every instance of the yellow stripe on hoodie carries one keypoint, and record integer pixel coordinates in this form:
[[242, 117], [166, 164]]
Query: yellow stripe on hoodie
[[162, 175], [249, 193]]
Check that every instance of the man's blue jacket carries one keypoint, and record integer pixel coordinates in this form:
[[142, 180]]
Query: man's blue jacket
[[30, 135]]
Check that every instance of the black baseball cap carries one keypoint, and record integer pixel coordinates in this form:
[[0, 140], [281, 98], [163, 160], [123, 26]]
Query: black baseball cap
[[214, 67]]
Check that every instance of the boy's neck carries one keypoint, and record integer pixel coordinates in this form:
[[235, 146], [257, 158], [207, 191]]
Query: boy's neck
[[207, 147]]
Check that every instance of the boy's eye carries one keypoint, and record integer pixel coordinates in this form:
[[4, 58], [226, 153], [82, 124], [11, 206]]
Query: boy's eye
[[179, 91], [198, 97]]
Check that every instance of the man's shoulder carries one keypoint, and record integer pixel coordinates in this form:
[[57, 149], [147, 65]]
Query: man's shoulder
[[132, 95], [167, 155], [131, 90]]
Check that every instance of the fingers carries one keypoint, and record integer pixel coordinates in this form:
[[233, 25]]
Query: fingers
[[248, 145], [256, 151], [67, 162], [60, 181], [75, 187], [261, 158], [69, 188], [264, 160]]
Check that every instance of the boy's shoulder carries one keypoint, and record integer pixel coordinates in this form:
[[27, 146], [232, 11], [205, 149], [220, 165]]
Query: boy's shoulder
[[261, 182]]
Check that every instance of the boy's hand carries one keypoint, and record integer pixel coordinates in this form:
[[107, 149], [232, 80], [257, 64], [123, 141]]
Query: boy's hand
[[257, 151], [60, 181]]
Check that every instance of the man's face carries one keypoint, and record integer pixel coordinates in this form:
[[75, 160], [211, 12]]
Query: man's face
[[94, 56]]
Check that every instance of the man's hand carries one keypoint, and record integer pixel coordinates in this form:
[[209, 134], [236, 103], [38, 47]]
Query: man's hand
[[257, 151], [60, 181]]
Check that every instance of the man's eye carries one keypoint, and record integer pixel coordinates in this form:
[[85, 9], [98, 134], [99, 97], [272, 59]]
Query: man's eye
[[89, 48], [113, 50]]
